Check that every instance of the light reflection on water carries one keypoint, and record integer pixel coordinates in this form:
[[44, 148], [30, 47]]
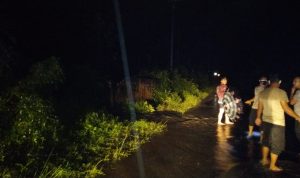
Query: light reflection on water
[[223, 158]]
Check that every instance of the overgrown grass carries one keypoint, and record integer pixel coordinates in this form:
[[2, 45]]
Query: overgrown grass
[[101, 140], [33, 142], [31, 139], [143, 107], [181, 104], [175, 93]]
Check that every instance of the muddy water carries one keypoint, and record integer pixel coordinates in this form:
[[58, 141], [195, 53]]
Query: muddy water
[[194, 146]]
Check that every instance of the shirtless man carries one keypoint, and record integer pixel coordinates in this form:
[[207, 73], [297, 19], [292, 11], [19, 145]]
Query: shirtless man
[[221, 89], [273, 102], [295, 101], [263, 82]]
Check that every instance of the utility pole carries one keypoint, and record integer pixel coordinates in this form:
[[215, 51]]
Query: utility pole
[[123, 50]]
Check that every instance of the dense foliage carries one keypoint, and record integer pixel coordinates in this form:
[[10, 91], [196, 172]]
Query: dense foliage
[[143, 107], [176, 93], [173, 92], [33, 142], [29, 127]]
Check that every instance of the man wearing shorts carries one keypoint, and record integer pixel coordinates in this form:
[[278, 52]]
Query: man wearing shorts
[[273, 102], [295, 101], [254, 101]]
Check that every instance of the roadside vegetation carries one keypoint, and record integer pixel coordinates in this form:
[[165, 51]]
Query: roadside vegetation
[[35, 140], [35, 143], [173, 92]]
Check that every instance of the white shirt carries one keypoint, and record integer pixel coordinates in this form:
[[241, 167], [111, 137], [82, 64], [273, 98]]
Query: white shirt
[[297, 105], [257, 91], [271, 99]]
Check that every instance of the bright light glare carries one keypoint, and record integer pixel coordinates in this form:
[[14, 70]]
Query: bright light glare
[[216, 74], [256, 134]]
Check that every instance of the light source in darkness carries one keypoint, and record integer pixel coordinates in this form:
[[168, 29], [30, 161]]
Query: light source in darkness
[[216, 74]]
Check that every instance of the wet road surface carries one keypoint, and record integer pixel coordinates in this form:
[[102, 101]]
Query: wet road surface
[[194, 146]]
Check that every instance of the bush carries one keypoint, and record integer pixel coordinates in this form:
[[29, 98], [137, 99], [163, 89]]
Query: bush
[[145, 129], [175, 93], [44, 74], [143, 107], [35, 122], [103, 139], [30, 141], [29, 128]]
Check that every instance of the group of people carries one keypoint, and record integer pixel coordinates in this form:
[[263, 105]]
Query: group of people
[[269, 105]]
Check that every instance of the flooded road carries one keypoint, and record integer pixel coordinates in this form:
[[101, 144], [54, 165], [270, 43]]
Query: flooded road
[[194, 146]]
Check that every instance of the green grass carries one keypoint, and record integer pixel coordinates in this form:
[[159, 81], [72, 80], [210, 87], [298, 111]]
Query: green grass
[[105, 138], [176, 93], [100, 140], [33, 142], [174, 102], [143, 107]]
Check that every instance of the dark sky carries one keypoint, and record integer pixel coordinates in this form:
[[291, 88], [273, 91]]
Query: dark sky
[[242, 39]]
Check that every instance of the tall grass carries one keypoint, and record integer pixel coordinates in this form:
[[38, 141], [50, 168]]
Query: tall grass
[[31, 139], [176, 93]]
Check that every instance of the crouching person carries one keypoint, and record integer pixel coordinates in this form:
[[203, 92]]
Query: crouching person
[[273, 102]]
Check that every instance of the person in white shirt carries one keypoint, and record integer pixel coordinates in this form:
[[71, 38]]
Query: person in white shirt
[[263, 82], [295, 101], [273, 103]]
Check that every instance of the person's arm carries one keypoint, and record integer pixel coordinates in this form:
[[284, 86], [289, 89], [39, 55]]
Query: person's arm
[[218, 92], [256, 93], [289, 111], [293, 90], [293, 101], [250, 101], [260, 109]]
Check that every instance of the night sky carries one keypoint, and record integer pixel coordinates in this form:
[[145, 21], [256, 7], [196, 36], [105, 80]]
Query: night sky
[[241, 39]]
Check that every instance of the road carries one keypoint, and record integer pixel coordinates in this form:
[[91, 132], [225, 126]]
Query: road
[[195, 147]]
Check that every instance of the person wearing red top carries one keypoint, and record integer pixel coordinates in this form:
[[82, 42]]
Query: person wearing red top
[[220, 91]]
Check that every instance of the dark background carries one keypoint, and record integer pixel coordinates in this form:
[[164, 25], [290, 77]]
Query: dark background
[[240, 39]]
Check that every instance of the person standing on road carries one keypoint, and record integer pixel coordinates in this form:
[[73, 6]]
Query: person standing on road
[[295, 101], [273, 102], [263, 82], [220, 90]]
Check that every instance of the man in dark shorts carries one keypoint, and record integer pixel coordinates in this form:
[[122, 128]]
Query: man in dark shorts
[[273, 102], [263, 81]]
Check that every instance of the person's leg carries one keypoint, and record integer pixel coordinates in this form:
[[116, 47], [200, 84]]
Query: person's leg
[[261, 133], [277, 145], [265, 144], [273, 166], [250, 131], [220, 115], [261, 136], [265, 153], [252, 118], [227, 120]]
